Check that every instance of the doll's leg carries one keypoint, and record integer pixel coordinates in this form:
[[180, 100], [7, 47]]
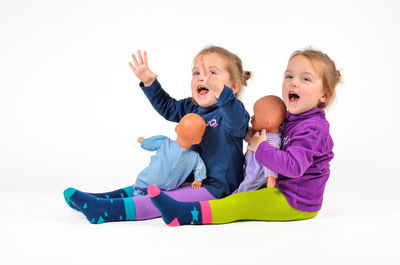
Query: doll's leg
[[120, 193], [264, 204], [271, 182]]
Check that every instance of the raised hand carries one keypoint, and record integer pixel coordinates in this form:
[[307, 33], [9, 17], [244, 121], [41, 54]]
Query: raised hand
[[212, 82], [141, 69]]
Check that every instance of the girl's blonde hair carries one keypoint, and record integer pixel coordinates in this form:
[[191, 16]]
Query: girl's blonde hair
[[326, 68], [233, 65]]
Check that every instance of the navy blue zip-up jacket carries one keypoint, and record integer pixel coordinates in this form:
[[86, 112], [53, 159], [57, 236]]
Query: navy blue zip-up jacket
[[222, 146]]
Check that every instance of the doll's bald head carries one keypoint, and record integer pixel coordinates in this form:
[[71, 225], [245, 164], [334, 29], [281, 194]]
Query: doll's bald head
[[190, 130], [269, 113]]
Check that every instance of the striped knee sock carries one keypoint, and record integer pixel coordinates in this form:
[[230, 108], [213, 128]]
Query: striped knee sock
[[176, 213], [98, 210]]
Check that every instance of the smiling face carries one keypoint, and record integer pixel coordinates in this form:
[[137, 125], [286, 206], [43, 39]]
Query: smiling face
[[217, 67], [302, 88]]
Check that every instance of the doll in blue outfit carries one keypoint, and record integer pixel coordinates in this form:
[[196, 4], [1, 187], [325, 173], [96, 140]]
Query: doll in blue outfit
[[174, 161]]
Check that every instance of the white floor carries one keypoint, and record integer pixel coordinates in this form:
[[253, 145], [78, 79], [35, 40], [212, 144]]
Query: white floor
[[71, 111], [37, 227]]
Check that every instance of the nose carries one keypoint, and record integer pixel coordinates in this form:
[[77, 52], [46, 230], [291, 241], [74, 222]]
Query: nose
[[295, 82], [201, 76]]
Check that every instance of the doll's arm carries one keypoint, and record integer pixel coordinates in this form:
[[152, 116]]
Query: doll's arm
[[199, 172], [197, 184], [153, 143]]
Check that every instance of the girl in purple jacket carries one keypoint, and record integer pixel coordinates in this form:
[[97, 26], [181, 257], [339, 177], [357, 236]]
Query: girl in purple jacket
[[302, 163]]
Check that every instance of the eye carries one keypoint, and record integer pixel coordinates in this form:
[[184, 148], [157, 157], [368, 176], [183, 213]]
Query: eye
[[288, 76], [307, 79], [195, 73], [213, 72]]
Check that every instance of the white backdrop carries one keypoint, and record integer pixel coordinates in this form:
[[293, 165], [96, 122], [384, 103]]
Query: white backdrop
[[71, 111]]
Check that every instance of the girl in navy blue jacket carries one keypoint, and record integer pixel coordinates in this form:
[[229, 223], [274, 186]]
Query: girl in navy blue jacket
[[217, 77]]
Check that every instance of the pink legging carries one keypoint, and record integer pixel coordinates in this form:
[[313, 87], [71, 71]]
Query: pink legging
[[146, 210]]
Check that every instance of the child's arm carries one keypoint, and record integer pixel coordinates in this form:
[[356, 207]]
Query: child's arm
[[235, 116], [168, 107], [153, 143], [292, 162], [141, 69]]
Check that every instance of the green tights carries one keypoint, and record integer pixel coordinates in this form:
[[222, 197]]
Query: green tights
[[268, 204]]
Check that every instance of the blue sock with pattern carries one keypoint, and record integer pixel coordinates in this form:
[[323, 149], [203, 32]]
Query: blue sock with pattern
[[120, 193], [173, 212], [98, 210]]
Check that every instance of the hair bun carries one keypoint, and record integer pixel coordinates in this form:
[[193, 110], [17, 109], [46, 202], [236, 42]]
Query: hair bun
[[338, 77], [247, 75]]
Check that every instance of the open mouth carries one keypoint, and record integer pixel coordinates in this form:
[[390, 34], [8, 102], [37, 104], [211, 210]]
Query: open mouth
[[293, 97], [202, 90]]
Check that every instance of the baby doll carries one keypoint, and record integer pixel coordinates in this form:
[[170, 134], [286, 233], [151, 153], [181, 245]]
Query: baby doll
[[269, 113], [173, 162]]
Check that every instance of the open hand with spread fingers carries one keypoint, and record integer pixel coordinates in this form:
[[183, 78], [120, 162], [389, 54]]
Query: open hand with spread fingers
[[141, 68]]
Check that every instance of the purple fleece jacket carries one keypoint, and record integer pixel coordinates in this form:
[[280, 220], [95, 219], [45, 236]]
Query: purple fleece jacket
[[303, 161]]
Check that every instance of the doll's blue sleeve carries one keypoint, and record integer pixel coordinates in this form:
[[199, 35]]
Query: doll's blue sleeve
[[200, 169], [153, 143]]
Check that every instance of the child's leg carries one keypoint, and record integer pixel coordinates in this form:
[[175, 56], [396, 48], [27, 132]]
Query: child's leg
[[265, 204], [98, 210], [146, 210], [120, 193], [130, 208]]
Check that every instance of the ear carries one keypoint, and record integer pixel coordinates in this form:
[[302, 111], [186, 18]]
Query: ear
[[235, 87], [268, 123], [324, 98]]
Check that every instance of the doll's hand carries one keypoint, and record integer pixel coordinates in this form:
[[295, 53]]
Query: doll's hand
[[196, 184], [212, 82], [140, 139], [257, 139], [141, 69], [249, 135]]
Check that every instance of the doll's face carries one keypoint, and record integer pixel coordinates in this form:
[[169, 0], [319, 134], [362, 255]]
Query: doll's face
[[302, 88], [216, 66], [260, 119]]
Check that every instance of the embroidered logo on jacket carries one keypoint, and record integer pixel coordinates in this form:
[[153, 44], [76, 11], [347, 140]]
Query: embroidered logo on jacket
[[212, 123], [285, 140]]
